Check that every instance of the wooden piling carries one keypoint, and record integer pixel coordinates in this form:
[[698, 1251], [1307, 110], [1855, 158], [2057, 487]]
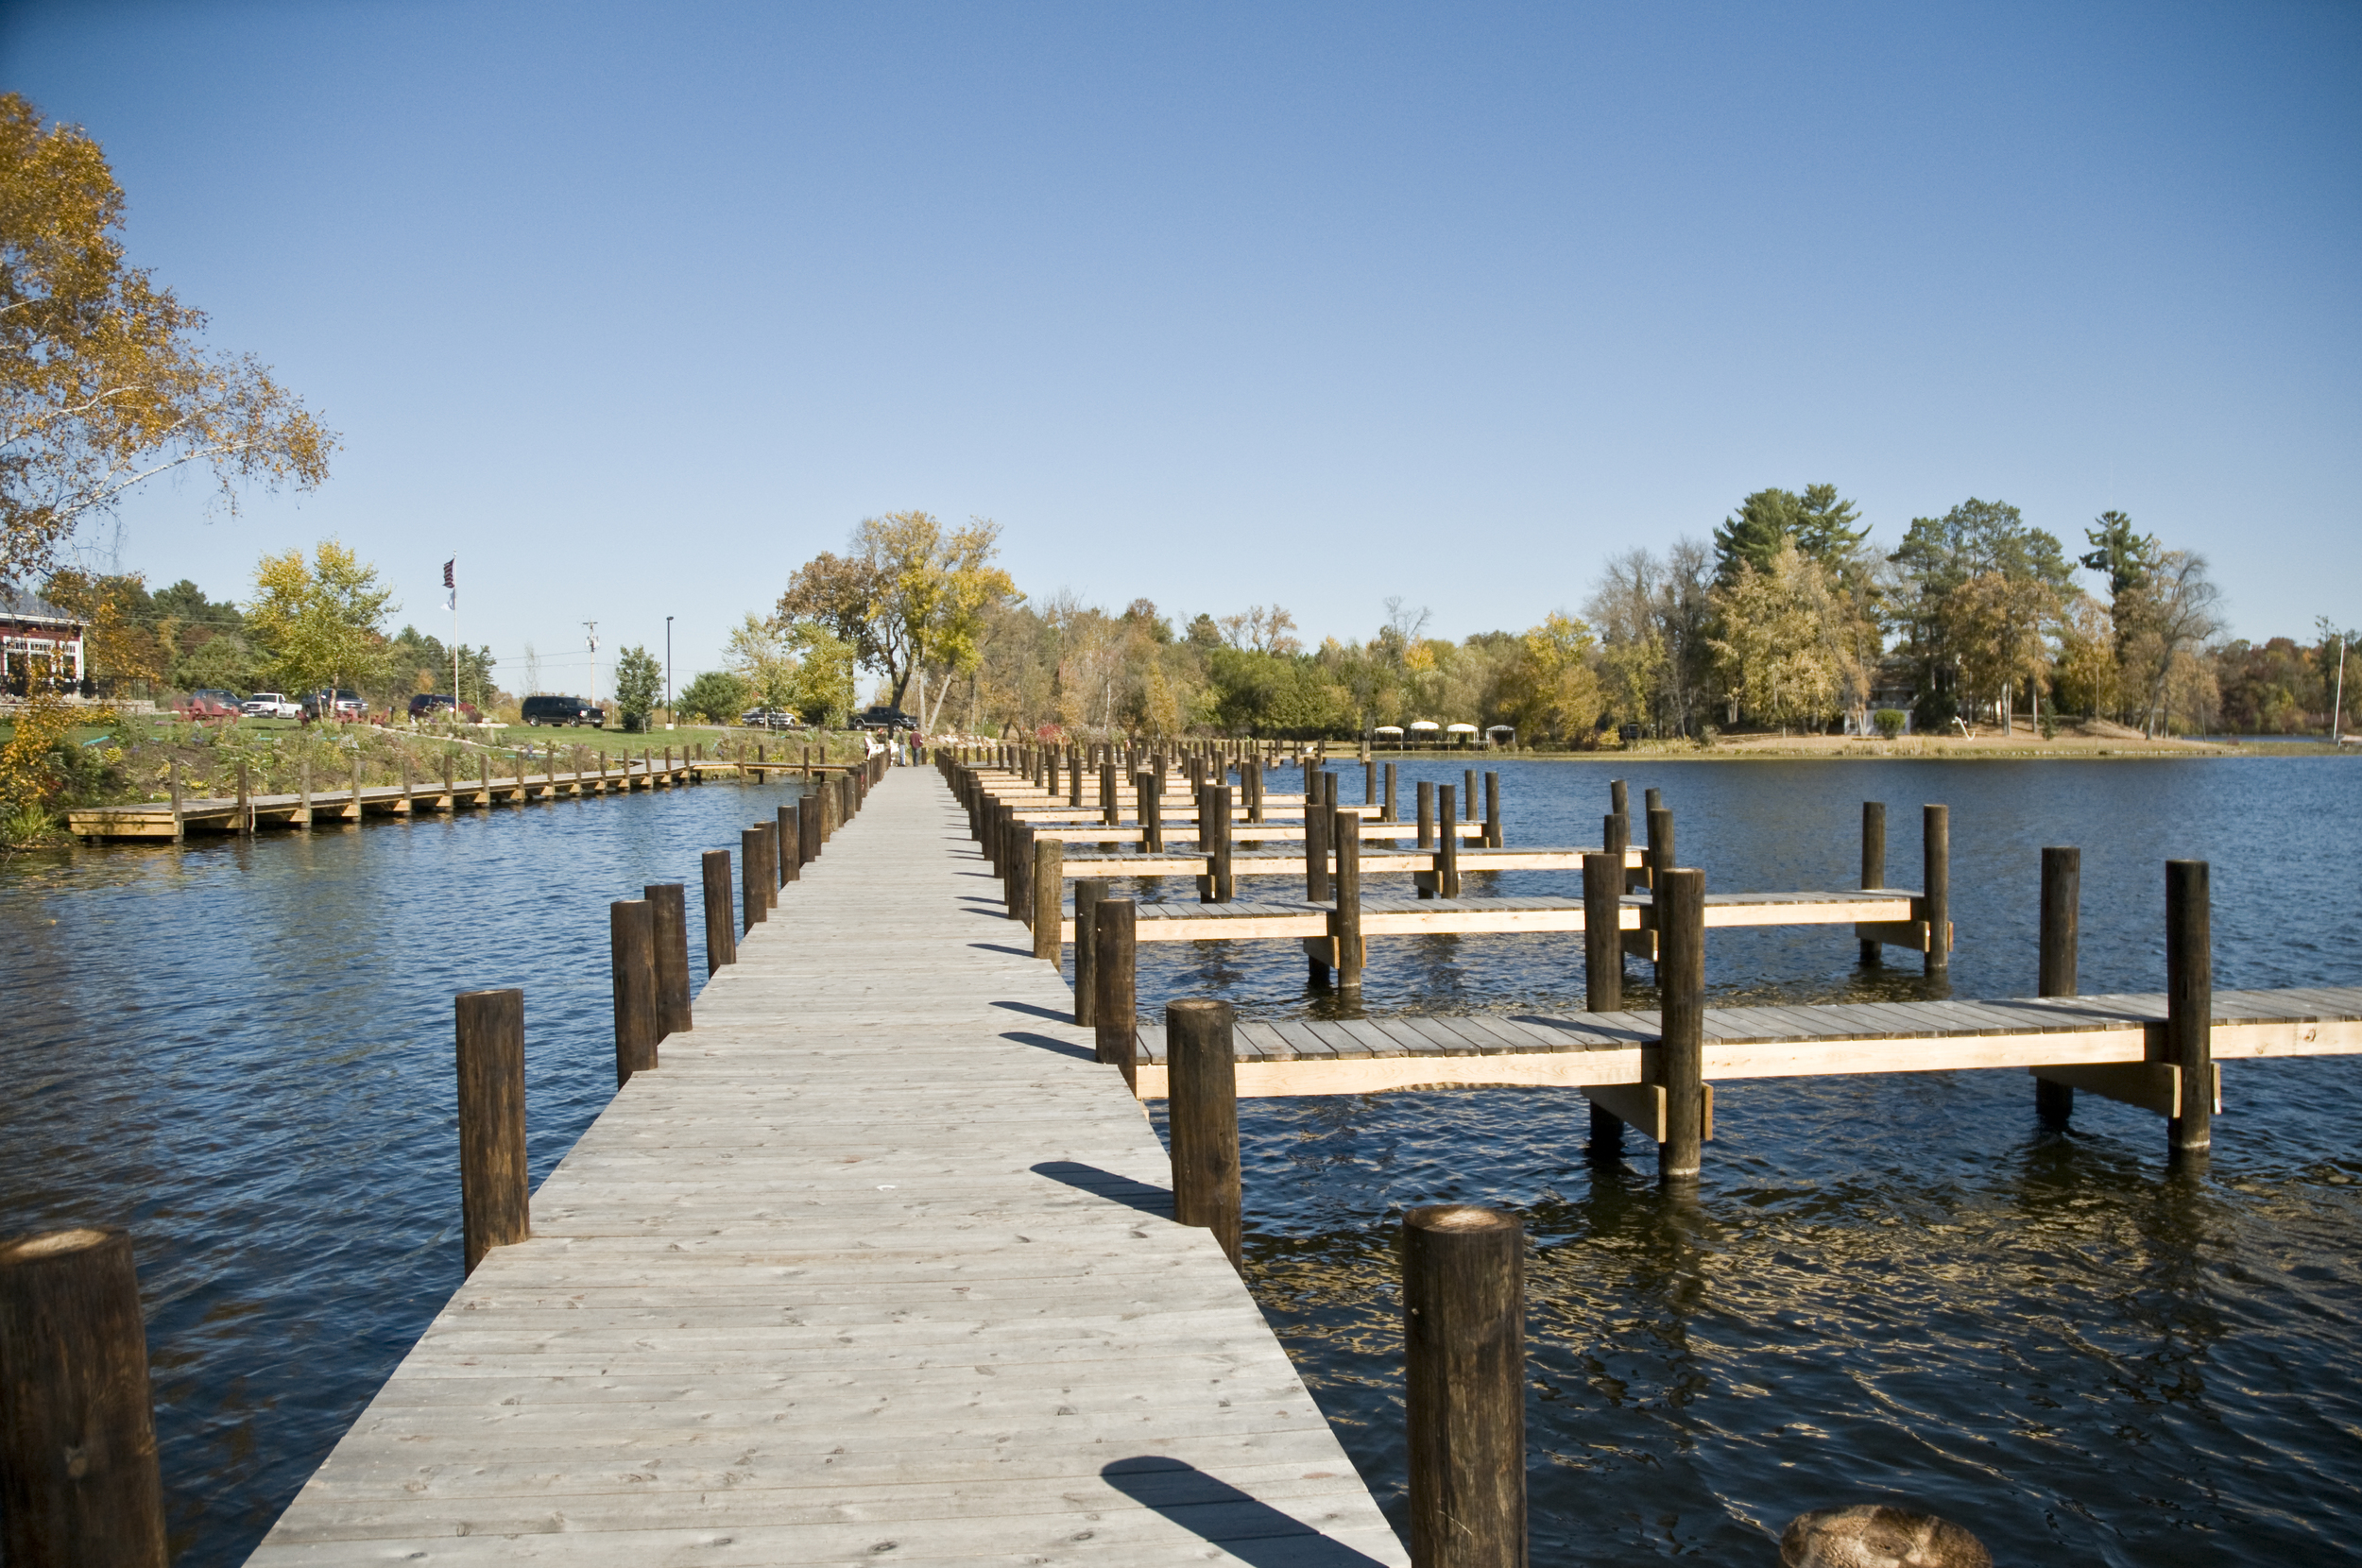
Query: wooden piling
[[1202, 1114], [493, 1192], [1048, 881], [1345, 921], [1936, 873], [78, 1478], [303, 785], [1426, 794], [1151, 789], [758, 909], [1391, 814], [1495, 838], [246, 802], [788, 835], [770, 831], [1446, 845], [807, 833], [1874, 864], [1464, 1385], [172, 780], [2190, 1004], [1213, 820], [1681, 905], [1618, 797], [1603, 943], [1115, 930], [668, 904], [1021, 883], [721, 935], [1088, 891], [1316, 830], [632, 950], [2062, 914]]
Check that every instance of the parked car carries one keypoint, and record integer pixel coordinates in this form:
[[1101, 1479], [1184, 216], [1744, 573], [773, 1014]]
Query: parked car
[[339, 704], [770, 717], [429, 703], [563, 710], [270, 705], [210, 702], [883, 717]]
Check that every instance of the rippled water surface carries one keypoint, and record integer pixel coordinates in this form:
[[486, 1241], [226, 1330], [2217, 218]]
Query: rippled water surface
[[1889, 1286]]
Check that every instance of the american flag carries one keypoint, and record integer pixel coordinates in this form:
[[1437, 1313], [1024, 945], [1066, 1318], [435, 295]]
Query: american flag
[[448, 580]]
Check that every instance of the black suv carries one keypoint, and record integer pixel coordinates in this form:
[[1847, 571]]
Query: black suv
[[883, 717], [563, 710]]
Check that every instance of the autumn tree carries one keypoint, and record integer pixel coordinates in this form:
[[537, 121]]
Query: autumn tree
[[319, 619], [103, 381], [907, 598], [1771, 648], [2161, 625], [639, 682], [1548, 690]]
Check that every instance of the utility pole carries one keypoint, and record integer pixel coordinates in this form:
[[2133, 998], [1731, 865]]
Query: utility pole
[[590, 639], [668, 671]]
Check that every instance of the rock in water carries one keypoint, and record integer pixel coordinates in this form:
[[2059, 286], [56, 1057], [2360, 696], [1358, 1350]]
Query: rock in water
[[1870, 1536]]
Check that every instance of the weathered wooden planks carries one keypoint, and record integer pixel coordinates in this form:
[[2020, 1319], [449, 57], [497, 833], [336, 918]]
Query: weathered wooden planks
[[876, 1265]]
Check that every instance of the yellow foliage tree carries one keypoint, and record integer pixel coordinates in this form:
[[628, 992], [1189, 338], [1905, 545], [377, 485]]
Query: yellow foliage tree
[[1549, 690], [1773, 650], [319, 618]]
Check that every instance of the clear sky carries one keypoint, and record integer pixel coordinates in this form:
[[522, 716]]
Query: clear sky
[[636, 307]]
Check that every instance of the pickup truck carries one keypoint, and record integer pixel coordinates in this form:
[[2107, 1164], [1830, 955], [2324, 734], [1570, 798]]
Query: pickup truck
[[270, 705]]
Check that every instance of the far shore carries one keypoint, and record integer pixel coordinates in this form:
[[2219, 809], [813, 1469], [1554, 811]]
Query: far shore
[[1993, 747]]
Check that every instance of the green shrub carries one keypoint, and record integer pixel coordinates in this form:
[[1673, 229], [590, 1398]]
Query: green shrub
[[1890, 722]]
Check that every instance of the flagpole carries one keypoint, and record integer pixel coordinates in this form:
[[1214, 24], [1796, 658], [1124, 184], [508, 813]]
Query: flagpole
[[452, 570]]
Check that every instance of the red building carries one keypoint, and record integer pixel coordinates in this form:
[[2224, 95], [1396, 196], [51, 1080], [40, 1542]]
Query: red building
[[36, 636]]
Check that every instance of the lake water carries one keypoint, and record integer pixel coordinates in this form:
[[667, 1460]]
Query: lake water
[[1883, 1288]]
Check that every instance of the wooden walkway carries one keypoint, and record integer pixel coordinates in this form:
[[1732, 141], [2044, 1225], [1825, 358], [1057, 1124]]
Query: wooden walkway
[[1255, 920], [1583, 1050], [874, 1268]]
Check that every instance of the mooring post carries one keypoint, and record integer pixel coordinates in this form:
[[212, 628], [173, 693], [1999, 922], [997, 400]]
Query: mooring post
[[79, 1478], [668, 905], [1369, 780], [1152, 793], [1618, 797], [721, 935], [1464, 1385], [807, 833], [770, 831], [1345, 921], [494, 1206], [1603, 965], [1494, 837], [1936, 863], [1391, 814], [2190, 1004], [1049, 903], [2061, 913], [1446, 844], [1115, 929], [758, 909], [1316, 828], [632, 948], [1218, 864], [1088, 891], [1202, 1114], [246, 803], [788, 837], [1681, 904], [303, 785], [1426, 806], [1874, 864], [1602, 939]]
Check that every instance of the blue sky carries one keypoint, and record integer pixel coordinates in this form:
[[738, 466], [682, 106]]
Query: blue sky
[[637, 307]]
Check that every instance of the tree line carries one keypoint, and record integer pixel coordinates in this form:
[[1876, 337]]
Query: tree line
[[1786, 617]]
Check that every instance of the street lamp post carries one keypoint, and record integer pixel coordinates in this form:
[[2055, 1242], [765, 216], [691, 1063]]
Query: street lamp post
[[668, 671]]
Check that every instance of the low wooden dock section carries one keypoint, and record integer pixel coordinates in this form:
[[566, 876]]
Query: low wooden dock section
[[1582, 1049], [1244, 920], [875, 1266]]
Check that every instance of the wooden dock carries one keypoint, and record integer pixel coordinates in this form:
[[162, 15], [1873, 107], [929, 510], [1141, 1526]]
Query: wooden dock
[[1243, 920], [1583, 1050], [875, 1266]]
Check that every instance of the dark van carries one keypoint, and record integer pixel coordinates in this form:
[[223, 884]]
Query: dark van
[[563, 710]]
